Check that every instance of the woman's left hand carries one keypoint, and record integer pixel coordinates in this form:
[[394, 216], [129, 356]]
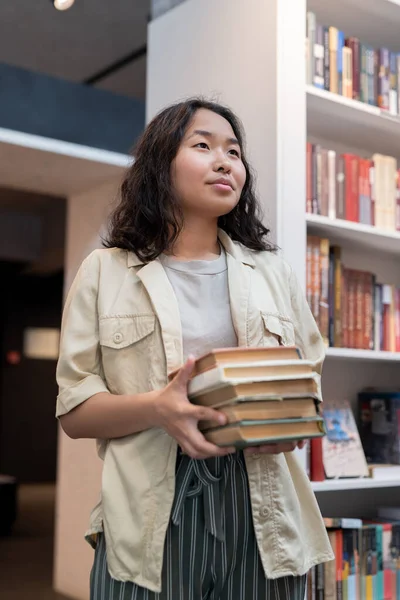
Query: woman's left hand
[[275, 448]]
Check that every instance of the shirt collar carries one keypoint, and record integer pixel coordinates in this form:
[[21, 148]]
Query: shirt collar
[[235, 249]]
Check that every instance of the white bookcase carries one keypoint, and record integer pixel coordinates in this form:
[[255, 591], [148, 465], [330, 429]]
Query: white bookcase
[[341, 123], [252, 57]]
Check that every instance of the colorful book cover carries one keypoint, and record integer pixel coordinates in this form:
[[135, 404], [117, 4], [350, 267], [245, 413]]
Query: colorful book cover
[[343, 454]]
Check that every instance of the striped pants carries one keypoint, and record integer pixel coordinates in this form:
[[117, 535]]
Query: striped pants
[[210, 551]]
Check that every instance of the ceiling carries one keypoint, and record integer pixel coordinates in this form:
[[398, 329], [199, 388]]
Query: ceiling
[[79, 43]]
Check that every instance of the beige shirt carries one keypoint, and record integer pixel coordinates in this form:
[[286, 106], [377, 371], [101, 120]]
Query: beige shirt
[[121, 333]]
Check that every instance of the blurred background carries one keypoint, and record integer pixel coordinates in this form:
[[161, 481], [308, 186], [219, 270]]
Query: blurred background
[[72, 91]]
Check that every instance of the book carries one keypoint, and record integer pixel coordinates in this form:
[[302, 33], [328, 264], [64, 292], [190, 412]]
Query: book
[[266, 409], [342, 451], [250, 433], [273, 388], [257, 371], [379, 425], [384, 472], [223, 356]]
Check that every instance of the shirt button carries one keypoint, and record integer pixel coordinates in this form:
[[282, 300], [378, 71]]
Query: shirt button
[[118, 338], [265, 511], [255, 456]]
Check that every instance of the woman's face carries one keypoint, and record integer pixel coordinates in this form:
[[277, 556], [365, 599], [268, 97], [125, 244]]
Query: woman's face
[[208, 173]]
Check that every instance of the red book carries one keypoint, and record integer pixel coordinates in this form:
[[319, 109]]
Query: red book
[[368, 343], [351, 169], [354, 44], [317, 472]]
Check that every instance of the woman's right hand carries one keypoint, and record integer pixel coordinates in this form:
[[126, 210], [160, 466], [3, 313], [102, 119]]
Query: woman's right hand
[[179, 417]]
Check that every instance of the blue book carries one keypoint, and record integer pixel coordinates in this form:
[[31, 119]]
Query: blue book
[[341, 44]]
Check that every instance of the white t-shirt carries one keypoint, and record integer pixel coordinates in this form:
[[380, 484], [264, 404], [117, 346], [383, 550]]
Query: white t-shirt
[[202, 292]]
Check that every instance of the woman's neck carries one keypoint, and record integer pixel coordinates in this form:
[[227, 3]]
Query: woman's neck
[[197, 241]]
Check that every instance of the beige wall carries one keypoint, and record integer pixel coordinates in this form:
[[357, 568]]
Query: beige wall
[[79, 469]]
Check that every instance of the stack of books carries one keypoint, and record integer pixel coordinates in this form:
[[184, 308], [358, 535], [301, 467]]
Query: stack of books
[[269, 395]]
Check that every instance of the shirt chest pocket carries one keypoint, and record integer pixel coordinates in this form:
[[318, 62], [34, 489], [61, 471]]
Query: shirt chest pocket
[[278, 331], [126, 348], [121, 332]]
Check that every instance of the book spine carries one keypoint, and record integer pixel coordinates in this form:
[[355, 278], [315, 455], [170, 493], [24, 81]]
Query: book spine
[[318, 79], [326, 59], [368, 340], [363, 199], [318, 164], [347, 87], [314, 172], [331, 297], [386, 310], [393, 91], [315, 279], [311, 27], [317, 472], [354, 44], [309, 273], [339, 562], [359, 309], [398, 82], [324, 199], [372, 191], [376, 63], [363, 74], [340, 188], [398, 200], [333, 60], [379, 562], [351, 310], [340, 61], [371, 75], [324, 290], [383, 78], [309, 173], [345, 308], [351, 186], [338, 338], [332, 186]]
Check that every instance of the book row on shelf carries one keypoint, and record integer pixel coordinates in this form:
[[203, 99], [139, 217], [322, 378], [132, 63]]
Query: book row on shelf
[[371, 449], [348, 67], [351, 309], [367, 560], [348, 186]]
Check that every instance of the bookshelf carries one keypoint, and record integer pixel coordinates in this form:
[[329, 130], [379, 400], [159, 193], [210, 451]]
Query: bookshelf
[[337, 485], [348, 125], [376, 21], [355, 234], [352, 354], [350, 122]]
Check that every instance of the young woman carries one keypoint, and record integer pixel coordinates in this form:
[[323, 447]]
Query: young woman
[[187, 268]]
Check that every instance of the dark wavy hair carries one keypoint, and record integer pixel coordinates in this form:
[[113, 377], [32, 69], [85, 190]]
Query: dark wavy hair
[[148, 218]]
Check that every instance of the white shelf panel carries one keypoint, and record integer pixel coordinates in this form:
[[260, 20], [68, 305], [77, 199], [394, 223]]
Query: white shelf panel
[[48, 166], [333, 485], [375, 22], [333, 117], [355, 234], [362, 355]]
